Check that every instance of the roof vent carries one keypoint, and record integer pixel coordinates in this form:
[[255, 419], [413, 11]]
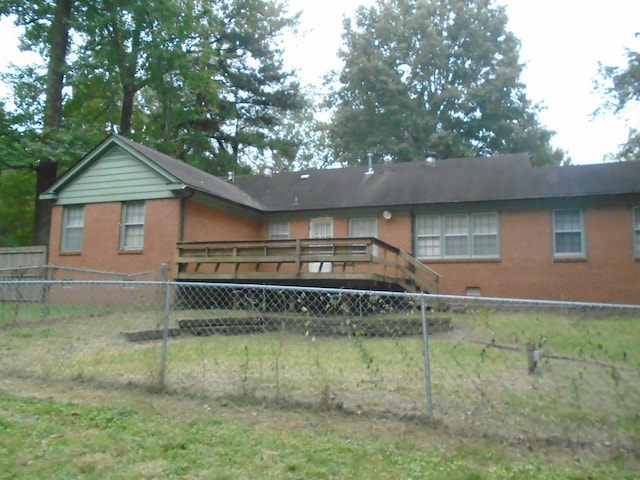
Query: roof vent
[[431, 158], [268, 168], [231, 176], [370, 162], [388, 160]]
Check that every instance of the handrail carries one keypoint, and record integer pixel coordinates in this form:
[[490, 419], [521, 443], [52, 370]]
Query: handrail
[[358, 257]]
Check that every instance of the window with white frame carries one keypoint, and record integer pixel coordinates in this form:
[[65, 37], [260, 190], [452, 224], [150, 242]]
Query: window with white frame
[[363, 227], [636, 231], [72, 228], [568, 233], [460, 235], [279, 231], [428, 236], [484, 240], [132, 226]]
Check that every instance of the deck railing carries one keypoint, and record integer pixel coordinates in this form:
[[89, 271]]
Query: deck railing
[[304, 259]]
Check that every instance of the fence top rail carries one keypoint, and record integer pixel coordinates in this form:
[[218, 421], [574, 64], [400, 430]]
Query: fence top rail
[[429, 297], [22, 267], [21, 250]]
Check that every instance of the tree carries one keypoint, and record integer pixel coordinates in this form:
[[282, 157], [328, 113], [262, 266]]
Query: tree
[[203, 81], [621, 87], [229, 94], [53, 23], [198, 80], [440, 75], [123, 42], [16, 182]]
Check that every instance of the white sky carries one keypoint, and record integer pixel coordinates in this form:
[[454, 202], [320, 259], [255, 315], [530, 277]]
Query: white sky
[[562, 43]]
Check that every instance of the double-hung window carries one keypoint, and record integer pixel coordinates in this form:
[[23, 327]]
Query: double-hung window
[[132, 226], [72, 228], [279, 231], [568, 233], [428, 236], [484, 239], [363, 227], [458, 235]]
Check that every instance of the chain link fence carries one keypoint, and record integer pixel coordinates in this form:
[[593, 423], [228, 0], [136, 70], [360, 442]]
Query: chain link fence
[[512, 370]]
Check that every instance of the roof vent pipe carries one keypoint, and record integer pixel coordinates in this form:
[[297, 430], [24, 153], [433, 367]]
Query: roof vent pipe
[[370, 161], [231, 176], [431, 158], [268, 165]]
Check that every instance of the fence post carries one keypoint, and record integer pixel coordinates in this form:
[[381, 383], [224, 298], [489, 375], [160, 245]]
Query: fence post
[[427, 363], [46, 290], [164, 272]]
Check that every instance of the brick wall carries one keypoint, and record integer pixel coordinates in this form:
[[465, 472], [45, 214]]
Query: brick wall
[[206, 223], [527, 268], [101, 240]]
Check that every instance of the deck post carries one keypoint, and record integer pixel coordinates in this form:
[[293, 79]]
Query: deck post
[[298, 254]]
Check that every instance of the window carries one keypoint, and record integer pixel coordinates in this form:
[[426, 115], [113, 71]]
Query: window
[[132, 226], [279, 231], [457, 236], [485, 234], [72, 228], [363, 227], [568, 236], [636, 231], [428, 232]]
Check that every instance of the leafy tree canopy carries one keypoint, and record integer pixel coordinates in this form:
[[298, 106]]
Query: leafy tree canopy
[[621, 87], [433, 75], [199, 80]]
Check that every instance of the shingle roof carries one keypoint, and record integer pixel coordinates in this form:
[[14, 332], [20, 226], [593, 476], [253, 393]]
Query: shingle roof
[[194, 177], [456, 180]]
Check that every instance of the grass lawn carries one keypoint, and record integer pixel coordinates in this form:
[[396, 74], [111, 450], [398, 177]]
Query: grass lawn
[[131, 435], [77, 400]]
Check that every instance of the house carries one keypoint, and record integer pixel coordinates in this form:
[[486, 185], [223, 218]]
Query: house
[[494, 226]]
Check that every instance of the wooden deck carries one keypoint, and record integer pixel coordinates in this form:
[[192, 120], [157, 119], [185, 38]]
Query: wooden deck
[[329, 262]]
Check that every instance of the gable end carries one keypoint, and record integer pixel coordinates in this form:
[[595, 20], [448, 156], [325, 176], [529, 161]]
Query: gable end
[[116, 176]]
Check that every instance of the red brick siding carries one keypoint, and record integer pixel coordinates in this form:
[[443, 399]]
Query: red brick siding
[[527, 269], [394, 231], [101, 239], [205, 223]]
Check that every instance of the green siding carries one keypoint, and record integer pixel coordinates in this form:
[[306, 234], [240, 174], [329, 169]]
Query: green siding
[[116, 176]]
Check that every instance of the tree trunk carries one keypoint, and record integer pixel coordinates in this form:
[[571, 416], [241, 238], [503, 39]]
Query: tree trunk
[[46, 172], [126, 114], [57, 64], [47, 169]]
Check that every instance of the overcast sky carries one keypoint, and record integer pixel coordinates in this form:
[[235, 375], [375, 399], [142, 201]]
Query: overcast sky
[[562, 43]]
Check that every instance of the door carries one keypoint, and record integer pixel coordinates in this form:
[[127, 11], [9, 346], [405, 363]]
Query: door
[[321, 228]]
